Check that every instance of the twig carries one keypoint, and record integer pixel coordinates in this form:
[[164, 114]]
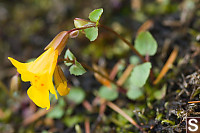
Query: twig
[[87, 125], [145, 26], [125, 75], [167, 65], [97, 122], [94, 70], [121, 89], [99, 78], [121, 112], [102, 107], [35, 116], [114, 71], [87, 105], [194, 102]]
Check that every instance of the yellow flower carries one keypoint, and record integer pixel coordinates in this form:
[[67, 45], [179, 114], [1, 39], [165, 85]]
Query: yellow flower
[[60, 81], [39, 73]]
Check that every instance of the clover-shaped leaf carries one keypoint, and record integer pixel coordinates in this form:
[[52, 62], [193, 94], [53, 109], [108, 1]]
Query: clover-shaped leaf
[[145, 44], [78, 23], [95, 15], [91, 33], [108, 93], [139, 74], [75, 67], [77, 95], [134, 93], [70, 56]]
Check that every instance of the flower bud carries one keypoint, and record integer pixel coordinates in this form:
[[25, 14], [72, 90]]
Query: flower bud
[[60, 81], [59, 42], [74, 34], [15, 83]]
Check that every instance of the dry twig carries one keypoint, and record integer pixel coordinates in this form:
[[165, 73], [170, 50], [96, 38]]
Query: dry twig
[[35, 116], [167, 65], [87, 125], [125, 75], [121, 112]]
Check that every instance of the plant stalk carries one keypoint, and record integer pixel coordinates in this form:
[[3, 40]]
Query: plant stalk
[[124, 40]]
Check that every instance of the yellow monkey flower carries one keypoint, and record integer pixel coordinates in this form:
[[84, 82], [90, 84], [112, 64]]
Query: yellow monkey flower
[[40, 73], [60, 81]]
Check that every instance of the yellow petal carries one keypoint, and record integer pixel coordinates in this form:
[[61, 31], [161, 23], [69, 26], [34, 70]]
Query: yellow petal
[[60, 81], [22, 68], [63, 89], [51, 87], [58, 75], [45, 63], [44, 82], [39, 96]]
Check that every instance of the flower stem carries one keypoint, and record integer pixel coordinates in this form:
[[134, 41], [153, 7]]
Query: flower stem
[[82, 28], [121, 89], [112, 81], [114, 32], [124, 40]]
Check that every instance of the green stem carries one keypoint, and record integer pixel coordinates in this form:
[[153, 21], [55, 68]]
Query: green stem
[[87, 67], [121, 89], [114, 32], [82, 28], [124, 40]]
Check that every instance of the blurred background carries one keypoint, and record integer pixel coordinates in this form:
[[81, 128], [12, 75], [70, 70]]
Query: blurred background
[[27, 26]]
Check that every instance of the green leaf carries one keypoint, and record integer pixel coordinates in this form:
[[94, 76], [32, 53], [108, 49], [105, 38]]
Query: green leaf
[[168, 121], [69, 55], [91, 33], [134, 93], [44, 131], [70, 121], [145, 44], [121, 119], [76, 95], [95, 15], [140, 74], [78, 128], [77, 69], [159, 94], [61, 102], [159, 117], [78, 23], [134, 60], [108, 93], [121, 68], [57, 112]]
